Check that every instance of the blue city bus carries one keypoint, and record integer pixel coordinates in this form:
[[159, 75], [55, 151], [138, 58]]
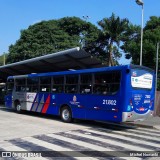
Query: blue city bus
[[116, 94]]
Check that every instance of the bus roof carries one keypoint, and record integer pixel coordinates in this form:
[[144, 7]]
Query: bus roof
[[92, 70]]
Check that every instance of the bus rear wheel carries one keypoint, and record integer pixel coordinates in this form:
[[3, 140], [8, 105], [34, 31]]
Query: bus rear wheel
[[66, 114]]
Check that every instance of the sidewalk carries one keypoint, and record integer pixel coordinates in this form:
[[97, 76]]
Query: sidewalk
[[153, 122]]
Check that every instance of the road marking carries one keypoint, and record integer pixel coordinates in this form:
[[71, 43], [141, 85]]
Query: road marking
[[137, 142], [120, 144], [91, 146], [55, 147]]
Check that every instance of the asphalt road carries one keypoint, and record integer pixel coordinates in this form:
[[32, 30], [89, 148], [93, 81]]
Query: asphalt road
[[14, 125], [37, 132]]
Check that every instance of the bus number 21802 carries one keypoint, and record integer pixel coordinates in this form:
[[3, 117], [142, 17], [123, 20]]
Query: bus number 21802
[[109, 102]]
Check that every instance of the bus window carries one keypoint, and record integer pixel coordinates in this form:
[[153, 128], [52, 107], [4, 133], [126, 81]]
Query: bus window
[[20, 84], [58, 84], [141, 79], [10, 85], [71, 84], [45, 84], [2, 92], [32, 84], [106, 83], [86, 83]]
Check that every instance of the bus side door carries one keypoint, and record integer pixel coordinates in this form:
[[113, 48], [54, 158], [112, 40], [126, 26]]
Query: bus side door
[[8, 100]]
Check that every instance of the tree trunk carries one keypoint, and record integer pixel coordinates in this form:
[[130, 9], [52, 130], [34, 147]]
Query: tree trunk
[[110, 55]]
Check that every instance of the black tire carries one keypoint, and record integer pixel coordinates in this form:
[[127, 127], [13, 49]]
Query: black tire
[[66, 114], [18, 108]]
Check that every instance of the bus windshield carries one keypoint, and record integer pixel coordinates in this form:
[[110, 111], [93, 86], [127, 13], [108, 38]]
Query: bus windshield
[[141, 79]]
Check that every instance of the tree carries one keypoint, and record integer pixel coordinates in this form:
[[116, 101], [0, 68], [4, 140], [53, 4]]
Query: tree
[[52, 36], [150, 39], [113, 29], [85, 34]]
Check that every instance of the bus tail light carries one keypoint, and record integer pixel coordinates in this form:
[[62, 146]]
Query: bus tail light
[[129, 116], [115, 116]]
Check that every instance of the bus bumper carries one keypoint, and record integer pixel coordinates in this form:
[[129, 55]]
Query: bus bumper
[[133, 116]]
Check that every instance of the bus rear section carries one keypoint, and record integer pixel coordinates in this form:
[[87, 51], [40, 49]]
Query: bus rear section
[[141, 93]]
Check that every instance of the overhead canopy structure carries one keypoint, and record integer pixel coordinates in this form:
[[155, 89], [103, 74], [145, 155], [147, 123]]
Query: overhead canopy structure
[[74, 58]]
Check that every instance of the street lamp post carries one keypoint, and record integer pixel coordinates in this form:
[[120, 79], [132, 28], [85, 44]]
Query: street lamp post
[[157, 58], [140, 2]]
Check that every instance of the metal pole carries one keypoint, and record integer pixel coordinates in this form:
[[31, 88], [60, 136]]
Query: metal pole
[[157, 65], [4, 59], [141, 36], [156, 74]]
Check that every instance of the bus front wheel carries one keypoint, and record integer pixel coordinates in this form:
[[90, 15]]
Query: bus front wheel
[[18, 108], [66, 114]]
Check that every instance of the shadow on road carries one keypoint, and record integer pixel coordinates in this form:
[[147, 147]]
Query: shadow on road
[[87, 123]]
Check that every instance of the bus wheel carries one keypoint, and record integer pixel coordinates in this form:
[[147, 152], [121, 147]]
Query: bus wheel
[[18, 108], [66, 114]]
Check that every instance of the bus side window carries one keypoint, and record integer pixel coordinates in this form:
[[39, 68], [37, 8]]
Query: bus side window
[[58, 84], [32, 84], [86, 83], [20, 85], [10, 85], [71, 84], [106, 83], [45, 84]]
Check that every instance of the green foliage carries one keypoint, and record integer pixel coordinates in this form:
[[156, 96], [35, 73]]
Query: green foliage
[[52, 36], [113, 30], [158, 84], [151, 36], [113, 36]]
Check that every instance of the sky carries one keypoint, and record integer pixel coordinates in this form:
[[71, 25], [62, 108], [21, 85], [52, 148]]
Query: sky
[[16, 15]]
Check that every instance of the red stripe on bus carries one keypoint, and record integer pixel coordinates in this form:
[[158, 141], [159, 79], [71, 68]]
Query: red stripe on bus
[[46, 105]]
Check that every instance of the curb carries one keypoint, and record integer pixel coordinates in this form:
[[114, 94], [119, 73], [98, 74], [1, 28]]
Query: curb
[[156, 127], [140, 125], [129, 124]]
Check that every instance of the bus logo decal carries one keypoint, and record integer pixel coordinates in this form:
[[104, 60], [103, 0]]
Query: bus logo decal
[[74, 100], [134, 74]]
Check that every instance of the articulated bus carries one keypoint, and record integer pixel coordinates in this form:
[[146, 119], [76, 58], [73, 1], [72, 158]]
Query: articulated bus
[[117, 94]]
